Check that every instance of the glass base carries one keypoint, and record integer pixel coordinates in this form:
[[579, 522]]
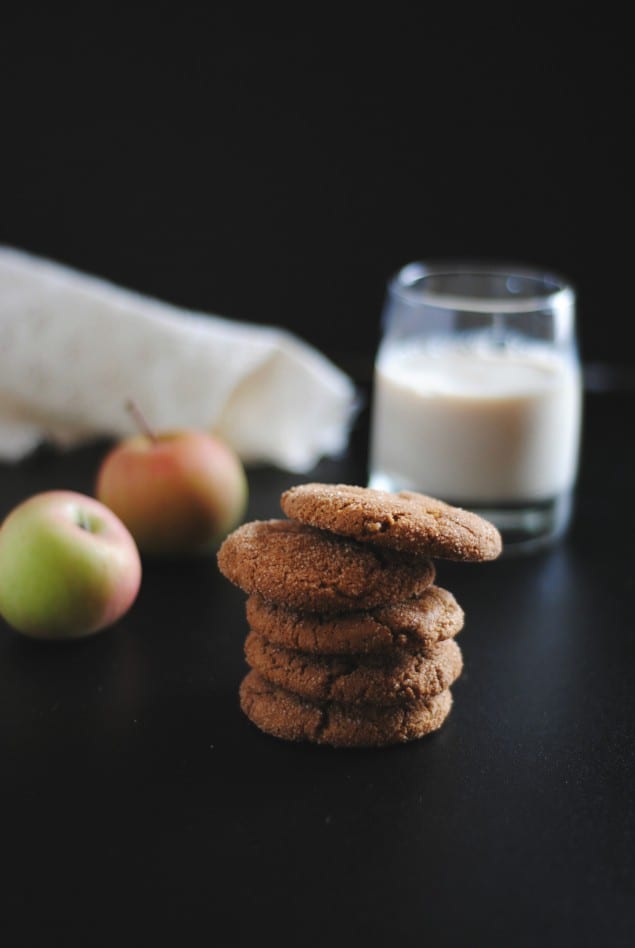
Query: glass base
[[525, 527]]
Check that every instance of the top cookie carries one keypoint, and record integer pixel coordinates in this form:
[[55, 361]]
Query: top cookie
[[405, 521]]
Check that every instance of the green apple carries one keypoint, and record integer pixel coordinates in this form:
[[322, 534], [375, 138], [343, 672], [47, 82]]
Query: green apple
[[178, 492], [68, 566]]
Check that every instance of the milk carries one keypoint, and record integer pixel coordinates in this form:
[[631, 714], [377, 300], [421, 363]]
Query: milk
[[475, 422]]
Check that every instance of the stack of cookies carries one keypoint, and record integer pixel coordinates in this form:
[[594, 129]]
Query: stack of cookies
[[350, 641]]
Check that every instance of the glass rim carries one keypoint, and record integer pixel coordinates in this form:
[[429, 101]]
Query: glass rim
[[558, 290]]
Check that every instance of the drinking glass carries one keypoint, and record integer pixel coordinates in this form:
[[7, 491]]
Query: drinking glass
[[477, 394]]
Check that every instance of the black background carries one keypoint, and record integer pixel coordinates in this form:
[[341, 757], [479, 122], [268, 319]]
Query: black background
[[279, 170]]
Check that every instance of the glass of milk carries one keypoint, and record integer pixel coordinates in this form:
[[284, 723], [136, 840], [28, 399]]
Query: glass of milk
[[477, 395]]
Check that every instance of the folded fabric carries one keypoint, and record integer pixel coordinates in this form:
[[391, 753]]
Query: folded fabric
[[75, 349]]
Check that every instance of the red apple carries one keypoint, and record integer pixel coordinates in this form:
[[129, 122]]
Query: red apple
[[68, 566], [178, 492]]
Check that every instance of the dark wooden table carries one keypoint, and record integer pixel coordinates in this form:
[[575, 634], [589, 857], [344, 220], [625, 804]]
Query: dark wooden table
[[138, 803]]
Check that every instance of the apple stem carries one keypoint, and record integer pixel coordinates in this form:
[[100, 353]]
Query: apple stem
[[140, 419]]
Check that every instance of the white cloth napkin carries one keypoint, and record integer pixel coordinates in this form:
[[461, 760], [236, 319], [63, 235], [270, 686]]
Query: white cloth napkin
[[74, 349]]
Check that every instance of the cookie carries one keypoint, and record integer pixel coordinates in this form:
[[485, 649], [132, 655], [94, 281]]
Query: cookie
[[304, 568], [282, 714], [404, 521], [400, 678], [414, 624]]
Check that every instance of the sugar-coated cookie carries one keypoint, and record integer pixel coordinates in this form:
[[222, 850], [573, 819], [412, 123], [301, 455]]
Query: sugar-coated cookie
[[405, 521], [375, 678], [414, 624], [282, 714], [305, 568]]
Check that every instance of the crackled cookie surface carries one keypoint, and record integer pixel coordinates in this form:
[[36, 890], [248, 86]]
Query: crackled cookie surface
[[405, 521], [280, 713], [305, 568], [404, 677], [412, 624]]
